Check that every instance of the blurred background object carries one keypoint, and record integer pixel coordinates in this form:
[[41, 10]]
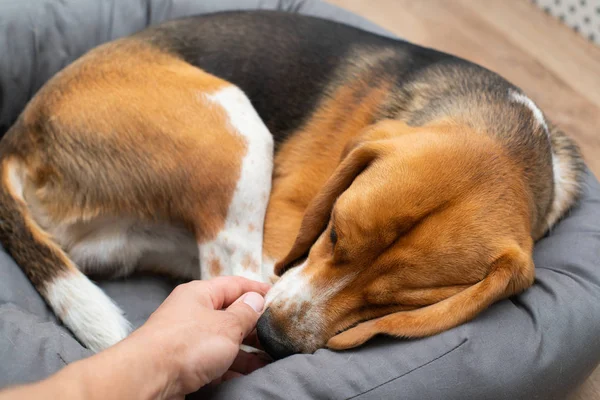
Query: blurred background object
[[583, 16]]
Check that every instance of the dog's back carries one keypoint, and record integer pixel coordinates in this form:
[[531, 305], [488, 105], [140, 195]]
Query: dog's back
[[289, 65]]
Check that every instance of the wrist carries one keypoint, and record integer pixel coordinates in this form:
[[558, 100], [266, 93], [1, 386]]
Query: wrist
[[131, 369], [158, 369]]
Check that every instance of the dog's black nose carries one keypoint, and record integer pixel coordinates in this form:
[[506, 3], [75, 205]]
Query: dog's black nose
[[271, 339]]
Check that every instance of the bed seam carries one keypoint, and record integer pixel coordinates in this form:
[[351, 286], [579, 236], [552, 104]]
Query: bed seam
[[408, 372], [62, 359]]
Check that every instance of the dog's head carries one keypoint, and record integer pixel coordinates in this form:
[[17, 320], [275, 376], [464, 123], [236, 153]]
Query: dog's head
[[417, 230]]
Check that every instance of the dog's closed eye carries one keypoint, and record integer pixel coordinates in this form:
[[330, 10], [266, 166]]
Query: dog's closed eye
[[333, 236]]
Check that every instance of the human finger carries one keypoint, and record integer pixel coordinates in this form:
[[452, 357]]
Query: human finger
[[245, 311], [252, 340], [227, 289], [229, 375], [219, 292], [246, 363]]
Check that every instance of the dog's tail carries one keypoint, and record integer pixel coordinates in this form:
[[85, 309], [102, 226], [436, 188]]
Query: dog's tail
[[569, 172], [81, 305]]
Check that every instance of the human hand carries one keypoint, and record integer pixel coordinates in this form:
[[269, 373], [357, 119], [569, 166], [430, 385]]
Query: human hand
[[187, 343], [195, 341]]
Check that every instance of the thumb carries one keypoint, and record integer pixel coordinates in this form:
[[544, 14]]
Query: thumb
[[247, 309]]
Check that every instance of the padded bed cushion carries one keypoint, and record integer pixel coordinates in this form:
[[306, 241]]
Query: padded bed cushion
[[540, 344]]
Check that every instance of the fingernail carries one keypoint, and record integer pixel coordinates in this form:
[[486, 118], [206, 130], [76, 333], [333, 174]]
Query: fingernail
[[254, 300]]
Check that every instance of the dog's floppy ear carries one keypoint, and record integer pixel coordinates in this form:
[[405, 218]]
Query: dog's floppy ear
[[317, 214], [384, 129], [510, 273]]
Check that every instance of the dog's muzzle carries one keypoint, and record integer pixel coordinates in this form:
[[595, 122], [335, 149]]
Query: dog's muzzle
[[272, 341]]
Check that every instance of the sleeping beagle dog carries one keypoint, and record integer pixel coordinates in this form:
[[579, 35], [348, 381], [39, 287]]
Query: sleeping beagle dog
[[393, 189]]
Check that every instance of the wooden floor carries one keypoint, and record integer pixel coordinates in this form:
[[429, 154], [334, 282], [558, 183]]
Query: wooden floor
[[556, 67]]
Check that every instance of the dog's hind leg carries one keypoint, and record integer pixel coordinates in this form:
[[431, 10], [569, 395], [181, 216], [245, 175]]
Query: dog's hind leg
[[90, 314], [237, 247]]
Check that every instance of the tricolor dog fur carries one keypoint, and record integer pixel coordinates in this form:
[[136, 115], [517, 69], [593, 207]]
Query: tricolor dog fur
[[393, 189]]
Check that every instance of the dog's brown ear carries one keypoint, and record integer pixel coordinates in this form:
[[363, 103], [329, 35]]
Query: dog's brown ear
[[384, 129], [510, 273], [317, 214]]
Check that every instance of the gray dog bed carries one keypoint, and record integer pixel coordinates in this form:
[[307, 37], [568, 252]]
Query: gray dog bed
[[538, 345]]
